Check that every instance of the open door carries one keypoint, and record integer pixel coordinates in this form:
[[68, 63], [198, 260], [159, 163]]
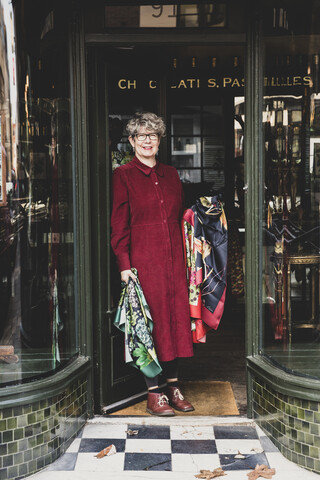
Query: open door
[[203, 110]]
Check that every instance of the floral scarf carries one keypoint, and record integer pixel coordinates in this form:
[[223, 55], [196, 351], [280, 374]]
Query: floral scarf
[[134, 319], [206, 240]]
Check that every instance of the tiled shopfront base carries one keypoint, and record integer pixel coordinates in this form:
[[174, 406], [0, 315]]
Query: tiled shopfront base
[[292, 424], [34, 435]]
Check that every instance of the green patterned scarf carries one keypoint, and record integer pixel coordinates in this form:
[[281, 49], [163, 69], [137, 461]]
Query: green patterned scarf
[[134, 319]]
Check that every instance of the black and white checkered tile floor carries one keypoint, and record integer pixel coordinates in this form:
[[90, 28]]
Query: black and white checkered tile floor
[[179, 450]]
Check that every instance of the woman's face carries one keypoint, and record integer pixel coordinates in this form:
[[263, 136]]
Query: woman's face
[[147, 148]]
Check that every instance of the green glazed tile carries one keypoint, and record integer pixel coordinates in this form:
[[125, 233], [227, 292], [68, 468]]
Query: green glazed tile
[[8, 461], [13, 471], [32, 467], [39, 439], [12, 423], [44, 426], [293, 411], [302, 460], [316, 441], [27, 409], [310, 463], [305, 427], [18, 433], [22, 421], [36, 452], [4, 474], [314, 452], [7, 413], [316, 417], [317, 465], [48, 459], [40, 415], [35, 406], [44, 450], [309, 416], [297, 402], [40, 463], [18, 458], [8, 436], [12, 447], [32, 418], [3, 425], [308, 439], [305, 449], [301, 414], [3, 449], [23, 470], [315, 429], [17, 411], [297, 447], [314, 406], [27, 455], [305, 404]]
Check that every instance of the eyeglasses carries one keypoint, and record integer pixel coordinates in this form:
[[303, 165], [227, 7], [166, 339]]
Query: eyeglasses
[[141, 137]]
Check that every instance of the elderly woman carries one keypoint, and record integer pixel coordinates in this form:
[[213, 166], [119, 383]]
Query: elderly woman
[[146, 235]]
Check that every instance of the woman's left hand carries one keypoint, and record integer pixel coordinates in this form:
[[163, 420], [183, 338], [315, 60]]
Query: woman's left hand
[[126, 274]]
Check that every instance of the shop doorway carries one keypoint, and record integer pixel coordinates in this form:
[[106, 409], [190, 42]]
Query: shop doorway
[[199, 91]]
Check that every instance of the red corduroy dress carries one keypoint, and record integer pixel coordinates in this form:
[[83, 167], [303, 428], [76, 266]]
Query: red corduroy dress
[[146, 234]]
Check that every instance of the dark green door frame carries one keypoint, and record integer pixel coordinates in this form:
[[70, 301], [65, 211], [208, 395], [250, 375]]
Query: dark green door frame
[[254, 188], [94, 43], [81, 187]]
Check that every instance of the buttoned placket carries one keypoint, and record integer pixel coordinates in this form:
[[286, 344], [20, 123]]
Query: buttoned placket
[[165, 226]]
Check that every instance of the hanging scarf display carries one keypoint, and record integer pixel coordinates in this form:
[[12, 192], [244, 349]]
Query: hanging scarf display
[[206, 243], [134, 319]]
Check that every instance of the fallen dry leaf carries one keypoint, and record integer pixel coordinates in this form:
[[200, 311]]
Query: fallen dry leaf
[[132, 432], [240, 456], [208, 474], [261, 471], [110, 450], [257, 450]]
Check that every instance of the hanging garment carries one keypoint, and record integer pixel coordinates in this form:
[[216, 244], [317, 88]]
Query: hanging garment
[[206, 243], [235, 266], [134, 319], [146, 234]]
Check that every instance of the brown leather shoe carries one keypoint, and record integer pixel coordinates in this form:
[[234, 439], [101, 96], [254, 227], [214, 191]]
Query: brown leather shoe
[[158, 404], [177, 401]]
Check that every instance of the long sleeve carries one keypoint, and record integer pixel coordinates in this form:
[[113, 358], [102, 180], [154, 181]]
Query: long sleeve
[[120, 221]]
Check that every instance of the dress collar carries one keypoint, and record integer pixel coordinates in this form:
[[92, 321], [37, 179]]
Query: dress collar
[[158, 168]]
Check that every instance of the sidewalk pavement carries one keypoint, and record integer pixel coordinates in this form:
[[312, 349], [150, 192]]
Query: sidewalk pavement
[[174, 448]]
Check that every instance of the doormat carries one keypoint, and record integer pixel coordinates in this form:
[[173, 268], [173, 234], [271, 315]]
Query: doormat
[[209, 398]]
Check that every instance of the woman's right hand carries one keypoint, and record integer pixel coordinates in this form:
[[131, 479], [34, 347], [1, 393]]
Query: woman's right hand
[[126, 274]]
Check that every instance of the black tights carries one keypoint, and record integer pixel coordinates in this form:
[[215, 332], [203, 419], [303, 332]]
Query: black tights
[[169, 370]]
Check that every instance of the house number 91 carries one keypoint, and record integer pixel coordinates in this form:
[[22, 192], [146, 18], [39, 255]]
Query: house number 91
[[159, 8]]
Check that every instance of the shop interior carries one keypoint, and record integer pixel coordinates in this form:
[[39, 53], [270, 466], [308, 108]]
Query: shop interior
[[199, 92]]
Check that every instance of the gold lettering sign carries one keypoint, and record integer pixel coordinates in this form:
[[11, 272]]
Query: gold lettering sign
[[125, 84], [224, 82]]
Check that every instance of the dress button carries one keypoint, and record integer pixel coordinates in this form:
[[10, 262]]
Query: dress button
[[156, 183], [164, 221], [161, 201]]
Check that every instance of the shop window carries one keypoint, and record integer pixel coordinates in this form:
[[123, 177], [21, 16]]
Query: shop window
[[37, 327], [291, 241]]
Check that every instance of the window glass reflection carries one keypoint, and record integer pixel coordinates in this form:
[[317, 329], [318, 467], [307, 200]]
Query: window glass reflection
[[291, 281], [37, 328]]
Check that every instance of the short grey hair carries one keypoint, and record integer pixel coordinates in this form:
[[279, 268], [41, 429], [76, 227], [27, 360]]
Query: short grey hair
[[149, 120]]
